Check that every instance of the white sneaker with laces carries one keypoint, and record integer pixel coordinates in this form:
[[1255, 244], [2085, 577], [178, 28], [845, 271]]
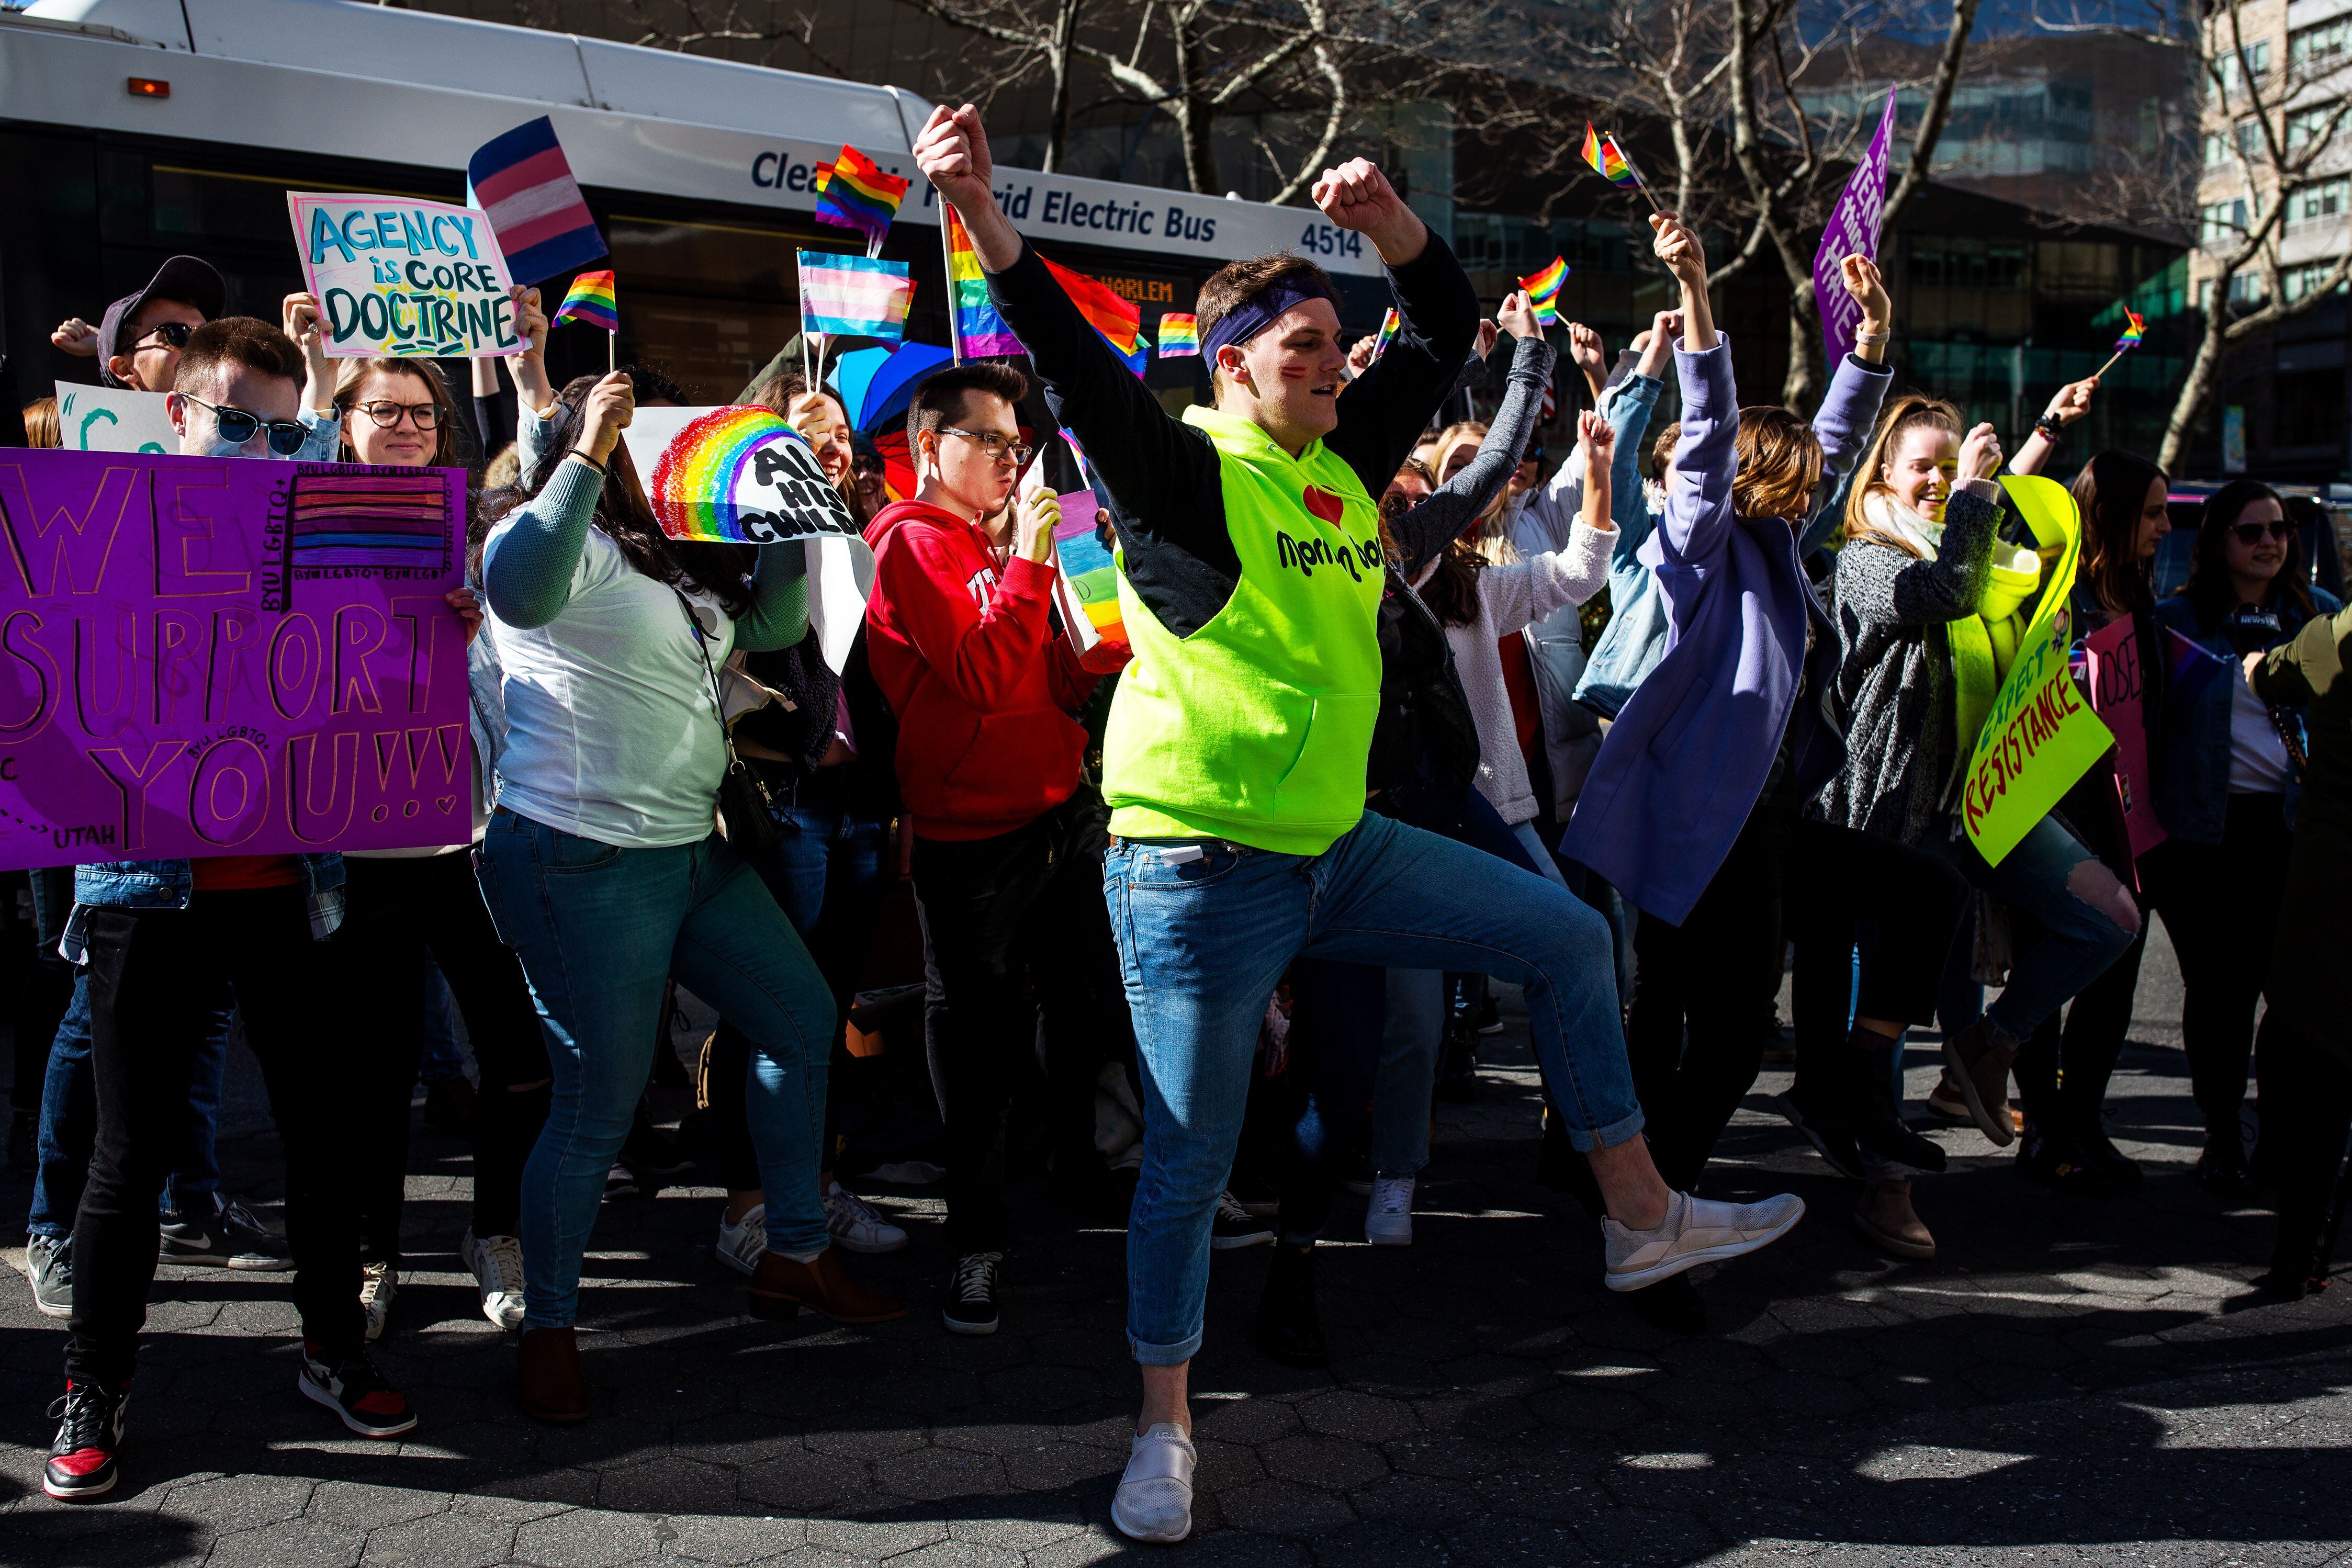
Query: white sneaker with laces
[[378, 1285], [856, 1224], [497, 1265], [1388, 1222], [1154, 1501], [1696, 1230], [742, 1244]]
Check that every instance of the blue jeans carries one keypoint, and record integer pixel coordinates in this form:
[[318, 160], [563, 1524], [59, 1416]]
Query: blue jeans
[[598, 929], [1410, 1037], [1202, 944], [2078, 941], [68, 1129]]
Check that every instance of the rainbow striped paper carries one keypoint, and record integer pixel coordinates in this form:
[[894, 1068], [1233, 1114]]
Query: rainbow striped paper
[[854, 295], [695, 482], [980, 331], [1179, 334], [857, 194], [592, 299], [1608, 160], [1543, 290], [2130, 340]]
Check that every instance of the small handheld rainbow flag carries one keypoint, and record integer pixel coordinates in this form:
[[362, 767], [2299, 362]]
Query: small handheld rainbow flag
[[592, 299], [1179, 334], [1609, 160], [2126, 343], [976, 330], [1543, 290], [857, 194], [1389, 325]]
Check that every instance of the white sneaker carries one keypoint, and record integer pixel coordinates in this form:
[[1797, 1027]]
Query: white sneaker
[[1696, 1230], [377, 1287], [1389, 1221], [742, 1244], [496, 1264], [1154, 1501], [856, 1224]]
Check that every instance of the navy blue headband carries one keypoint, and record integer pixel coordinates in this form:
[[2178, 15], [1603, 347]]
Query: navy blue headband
[[1259, 311]]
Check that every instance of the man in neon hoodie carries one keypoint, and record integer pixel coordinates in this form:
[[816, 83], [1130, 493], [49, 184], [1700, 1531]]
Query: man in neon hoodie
[[1250, 580], [1007, 855]]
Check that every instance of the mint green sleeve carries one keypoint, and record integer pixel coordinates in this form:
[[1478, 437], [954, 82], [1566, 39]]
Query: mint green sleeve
[[533, 558], [779, 614]]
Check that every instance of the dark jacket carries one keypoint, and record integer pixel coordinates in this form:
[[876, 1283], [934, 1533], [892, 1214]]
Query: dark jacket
[[2192, 794]]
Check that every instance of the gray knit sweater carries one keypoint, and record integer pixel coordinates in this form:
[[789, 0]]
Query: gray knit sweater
[[1894, 670]]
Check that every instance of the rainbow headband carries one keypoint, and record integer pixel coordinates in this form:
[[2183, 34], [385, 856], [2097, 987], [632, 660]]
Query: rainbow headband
[[695, 480]]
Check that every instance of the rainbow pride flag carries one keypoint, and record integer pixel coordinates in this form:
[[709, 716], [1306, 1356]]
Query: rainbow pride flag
[[1543, 290], [592, 299], [1116, 318], [1608, 160], [854, 295], [857, 194], [979, 332], [1179, 334], [1390, 323], [2130, 340]]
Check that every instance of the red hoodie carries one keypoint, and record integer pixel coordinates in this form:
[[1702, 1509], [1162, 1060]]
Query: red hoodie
[[983, 685]]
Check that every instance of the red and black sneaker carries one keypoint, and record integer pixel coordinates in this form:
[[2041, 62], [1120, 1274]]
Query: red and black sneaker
[[81, 1461], [354, 1389]]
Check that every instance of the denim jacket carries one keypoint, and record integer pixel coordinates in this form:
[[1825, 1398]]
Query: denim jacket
[[2193, 781], [166, 884], [1635, 638]]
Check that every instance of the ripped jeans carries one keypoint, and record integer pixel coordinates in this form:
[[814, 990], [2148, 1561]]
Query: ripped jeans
[[2078, 940]]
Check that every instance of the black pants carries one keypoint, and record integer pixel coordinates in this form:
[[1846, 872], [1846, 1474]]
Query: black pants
[[1852, 893], [1832, 889], [2221, 905], [1016, 948], [396, 912], [2307, 1115], [2062, 1072], [153, 974], [1338, 1013]]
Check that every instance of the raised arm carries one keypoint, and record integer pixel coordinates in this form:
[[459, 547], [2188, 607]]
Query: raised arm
[[1850, 407], [2072, 403], [1153, 467], [1699, 515], [1388, 406], [1462, 500], [529, 564]]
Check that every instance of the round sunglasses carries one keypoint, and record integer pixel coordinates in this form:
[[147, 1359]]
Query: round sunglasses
[[237, 427]]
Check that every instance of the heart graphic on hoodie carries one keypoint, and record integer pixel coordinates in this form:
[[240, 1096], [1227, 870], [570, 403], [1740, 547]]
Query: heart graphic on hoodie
[[1324, 503]]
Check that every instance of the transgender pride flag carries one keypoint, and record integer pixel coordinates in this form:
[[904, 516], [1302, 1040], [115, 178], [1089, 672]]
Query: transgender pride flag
[[523, 185], [854, 295]]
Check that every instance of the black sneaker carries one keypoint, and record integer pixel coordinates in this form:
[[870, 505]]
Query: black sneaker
[[2051, 1158], [972, 1294], [1238, 1227], [1835, 1145], [48, 1263], [1288, 1327], [90, 1431], [230, 1238], [354, 1389], [2221, 1171]]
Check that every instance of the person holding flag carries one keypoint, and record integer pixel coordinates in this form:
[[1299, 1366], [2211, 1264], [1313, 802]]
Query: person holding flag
[[1236, 759]]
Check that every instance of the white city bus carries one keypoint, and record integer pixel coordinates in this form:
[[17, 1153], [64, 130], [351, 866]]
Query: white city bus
[[132, 130]]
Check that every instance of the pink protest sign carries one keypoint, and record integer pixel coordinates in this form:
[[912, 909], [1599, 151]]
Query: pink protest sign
[[206, 656], [2117, 697]]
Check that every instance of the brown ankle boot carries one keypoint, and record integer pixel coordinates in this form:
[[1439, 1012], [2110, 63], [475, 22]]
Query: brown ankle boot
[[781, 1287], [546, 1365]]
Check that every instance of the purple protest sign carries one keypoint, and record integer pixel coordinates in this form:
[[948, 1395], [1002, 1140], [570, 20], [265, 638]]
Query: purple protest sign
[[205, 656], [1853, 231]]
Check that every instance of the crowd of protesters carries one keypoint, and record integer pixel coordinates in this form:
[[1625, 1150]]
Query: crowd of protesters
[[1245, 873]]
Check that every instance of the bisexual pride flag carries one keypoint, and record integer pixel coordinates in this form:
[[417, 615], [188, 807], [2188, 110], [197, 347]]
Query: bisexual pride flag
[[523, 185]]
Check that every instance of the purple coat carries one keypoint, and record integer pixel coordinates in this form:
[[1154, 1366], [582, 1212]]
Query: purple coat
[[1690, 752]]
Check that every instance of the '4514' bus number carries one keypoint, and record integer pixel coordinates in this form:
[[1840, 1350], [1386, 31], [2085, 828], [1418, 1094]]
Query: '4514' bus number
[[1323, 239]]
